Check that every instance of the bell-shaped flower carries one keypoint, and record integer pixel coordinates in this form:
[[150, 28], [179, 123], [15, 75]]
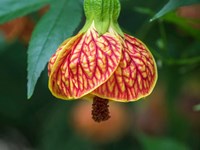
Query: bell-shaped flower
[[101, 61]]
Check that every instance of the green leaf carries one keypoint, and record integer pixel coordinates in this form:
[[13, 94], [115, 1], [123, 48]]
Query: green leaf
[[173, 4], [57, 25], [10, 9]]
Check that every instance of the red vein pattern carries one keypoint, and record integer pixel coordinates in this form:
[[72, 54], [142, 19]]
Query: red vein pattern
[[83, 63], [55, 56], [135, 76]]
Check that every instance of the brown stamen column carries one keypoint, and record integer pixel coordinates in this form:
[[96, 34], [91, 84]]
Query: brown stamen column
[[100, 109]]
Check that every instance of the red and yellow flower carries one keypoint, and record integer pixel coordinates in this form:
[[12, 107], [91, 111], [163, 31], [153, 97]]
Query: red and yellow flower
[[101, 60]]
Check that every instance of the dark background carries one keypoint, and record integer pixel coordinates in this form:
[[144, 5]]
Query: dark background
[[165, 120]]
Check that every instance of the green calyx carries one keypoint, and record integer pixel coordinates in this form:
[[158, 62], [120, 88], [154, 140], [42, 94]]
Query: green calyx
[[104, 14]]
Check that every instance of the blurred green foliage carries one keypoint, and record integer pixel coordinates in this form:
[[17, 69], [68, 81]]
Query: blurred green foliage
[[11, 9], [45, 123]]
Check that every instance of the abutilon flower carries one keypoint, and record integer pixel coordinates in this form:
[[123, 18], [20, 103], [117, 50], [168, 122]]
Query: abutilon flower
[[102, 62]]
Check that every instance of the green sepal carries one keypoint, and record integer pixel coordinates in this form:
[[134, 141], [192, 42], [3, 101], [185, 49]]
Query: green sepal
[[117, 28], [115, 15], [104, 14]]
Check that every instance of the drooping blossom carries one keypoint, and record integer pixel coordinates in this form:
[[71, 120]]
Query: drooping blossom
[[102, 62]]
